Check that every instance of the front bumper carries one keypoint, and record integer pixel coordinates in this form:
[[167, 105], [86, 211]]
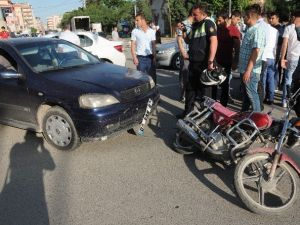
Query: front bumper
[[99, 124]]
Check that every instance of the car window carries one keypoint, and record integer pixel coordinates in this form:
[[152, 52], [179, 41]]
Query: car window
[[46, 56], [6, 61], [85, 41]]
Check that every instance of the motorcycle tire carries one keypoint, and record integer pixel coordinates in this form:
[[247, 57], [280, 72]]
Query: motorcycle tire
[[182, 144], [265, 197]]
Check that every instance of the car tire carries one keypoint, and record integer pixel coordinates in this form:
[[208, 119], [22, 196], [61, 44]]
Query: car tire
[[176, 61], [59, 130]]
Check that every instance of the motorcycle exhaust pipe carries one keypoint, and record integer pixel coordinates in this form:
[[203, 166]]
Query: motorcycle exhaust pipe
[[188, 130]]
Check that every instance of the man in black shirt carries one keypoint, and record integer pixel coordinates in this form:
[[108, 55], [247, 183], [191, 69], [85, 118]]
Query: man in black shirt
[[203, 44], [274, 21]]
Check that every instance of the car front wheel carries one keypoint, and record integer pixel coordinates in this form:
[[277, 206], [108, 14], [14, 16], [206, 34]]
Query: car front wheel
[[176, 61], [59, 130]]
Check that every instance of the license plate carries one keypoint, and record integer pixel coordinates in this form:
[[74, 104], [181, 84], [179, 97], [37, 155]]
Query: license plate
[[146, 116]]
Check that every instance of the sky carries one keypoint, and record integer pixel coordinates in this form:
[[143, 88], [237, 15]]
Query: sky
[[46, 8]]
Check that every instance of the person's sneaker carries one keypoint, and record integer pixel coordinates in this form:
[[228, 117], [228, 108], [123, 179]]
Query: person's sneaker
[[269, 102], [182, 100], [284, 104], [276, 90]]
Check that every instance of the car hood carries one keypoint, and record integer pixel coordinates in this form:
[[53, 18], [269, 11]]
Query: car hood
[[105, 76]]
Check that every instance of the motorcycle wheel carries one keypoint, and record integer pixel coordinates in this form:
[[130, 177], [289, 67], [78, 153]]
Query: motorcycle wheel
[[260, 195], [183, 144]]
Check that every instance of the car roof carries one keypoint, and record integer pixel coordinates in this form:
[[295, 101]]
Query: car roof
[[30, 40]]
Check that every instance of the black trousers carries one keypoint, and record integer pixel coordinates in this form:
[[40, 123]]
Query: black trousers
[[194, 88], [224, 87]]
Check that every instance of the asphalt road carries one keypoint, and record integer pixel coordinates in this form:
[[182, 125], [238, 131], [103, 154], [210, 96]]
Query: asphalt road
[[125, 180]]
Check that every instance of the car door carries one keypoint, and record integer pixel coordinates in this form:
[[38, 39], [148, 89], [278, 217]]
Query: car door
[[86, 42], [14, 98]]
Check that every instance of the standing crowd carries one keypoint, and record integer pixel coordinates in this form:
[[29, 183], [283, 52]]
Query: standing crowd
[[264, 48]]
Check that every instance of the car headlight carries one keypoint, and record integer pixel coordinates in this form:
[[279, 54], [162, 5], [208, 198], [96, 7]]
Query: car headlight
[[91, 101], [152, 84]]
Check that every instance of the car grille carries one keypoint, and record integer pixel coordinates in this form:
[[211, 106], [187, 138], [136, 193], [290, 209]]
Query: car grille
[[135, 92]]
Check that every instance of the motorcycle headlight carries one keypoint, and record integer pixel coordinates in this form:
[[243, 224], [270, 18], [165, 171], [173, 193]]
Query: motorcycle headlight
[[91, 101], [152, 84]]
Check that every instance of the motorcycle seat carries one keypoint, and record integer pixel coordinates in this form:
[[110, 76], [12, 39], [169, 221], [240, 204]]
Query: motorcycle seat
[[223, 110]]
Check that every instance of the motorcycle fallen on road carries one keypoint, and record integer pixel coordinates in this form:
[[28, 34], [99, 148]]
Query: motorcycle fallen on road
[[223, 134], [267, 179]]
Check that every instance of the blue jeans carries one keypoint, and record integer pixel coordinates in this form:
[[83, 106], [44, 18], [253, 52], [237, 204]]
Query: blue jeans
[[147, 66], [269, 78], [288, 75], [249, 92]]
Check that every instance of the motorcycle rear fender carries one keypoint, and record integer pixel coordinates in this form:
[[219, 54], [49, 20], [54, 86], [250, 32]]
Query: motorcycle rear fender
[[284, 157]]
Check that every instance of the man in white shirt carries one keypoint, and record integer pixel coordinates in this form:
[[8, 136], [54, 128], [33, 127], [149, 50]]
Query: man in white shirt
[[268, 57], [115, 34], [69, 35], [291, 49], [143, 48]]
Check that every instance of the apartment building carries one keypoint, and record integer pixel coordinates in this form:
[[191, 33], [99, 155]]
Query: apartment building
[[53, 22]]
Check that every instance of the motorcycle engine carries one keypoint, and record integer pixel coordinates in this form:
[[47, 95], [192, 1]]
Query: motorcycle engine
[[219, 142]]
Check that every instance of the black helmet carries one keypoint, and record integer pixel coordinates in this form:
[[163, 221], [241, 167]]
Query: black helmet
[[213, 77]]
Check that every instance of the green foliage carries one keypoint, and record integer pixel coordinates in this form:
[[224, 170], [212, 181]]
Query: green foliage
[[143, 6], [283, 7], [106, 12], [219, 5], [33, 30], [178, 10]]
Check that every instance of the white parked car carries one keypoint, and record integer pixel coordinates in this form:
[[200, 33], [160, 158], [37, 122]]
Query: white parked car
[[110, 51]]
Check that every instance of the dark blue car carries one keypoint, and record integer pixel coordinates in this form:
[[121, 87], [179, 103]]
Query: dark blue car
[[55, 87]]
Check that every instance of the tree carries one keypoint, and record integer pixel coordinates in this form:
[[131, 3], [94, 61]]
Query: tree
[[178, 10], [33, 30], [143, 6], [106, 12]]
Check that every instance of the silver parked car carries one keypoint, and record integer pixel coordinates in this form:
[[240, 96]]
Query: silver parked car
[[167, 54]]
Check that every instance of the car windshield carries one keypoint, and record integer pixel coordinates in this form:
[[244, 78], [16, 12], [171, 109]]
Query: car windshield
[[55, 55]]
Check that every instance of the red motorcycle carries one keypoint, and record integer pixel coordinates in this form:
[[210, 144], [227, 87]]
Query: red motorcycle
[[224, 134], [267, 179]]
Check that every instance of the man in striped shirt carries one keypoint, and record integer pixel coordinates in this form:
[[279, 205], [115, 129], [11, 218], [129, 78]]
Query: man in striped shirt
[[250, 59]]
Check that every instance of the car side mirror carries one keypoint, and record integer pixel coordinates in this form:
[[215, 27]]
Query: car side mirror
[[10, 74]]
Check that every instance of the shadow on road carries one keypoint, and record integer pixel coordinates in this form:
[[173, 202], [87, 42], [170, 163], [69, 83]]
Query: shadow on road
[[223, 172], [22, 199], [163, 122]]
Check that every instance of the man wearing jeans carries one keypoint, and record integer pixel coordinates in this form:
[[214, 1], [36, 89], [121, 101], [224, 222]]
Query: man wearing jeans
[[143, 49], [269, 69], [290, 49], [184, 57], [250, 59]]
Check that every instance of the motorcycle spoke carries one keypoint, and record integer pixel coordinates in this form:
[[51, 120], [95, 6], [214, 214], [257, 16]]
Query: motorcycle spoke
[[254, 178], [261, 196], [279, 176], [277, 193]]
